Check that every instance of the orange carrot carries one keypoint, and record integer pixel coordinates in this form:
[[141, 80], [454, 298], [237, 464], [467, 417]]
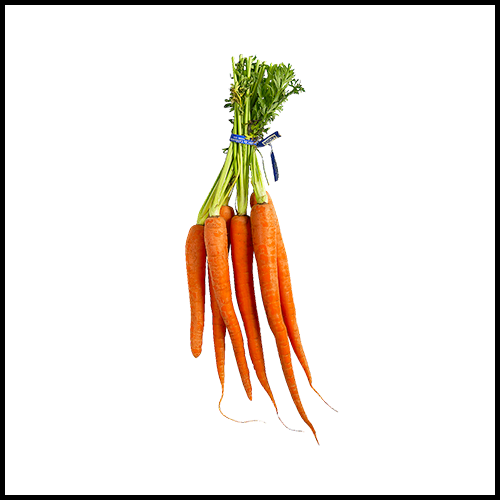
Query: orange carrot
[[216, 244], [195, 265], [265, 248], [227, 213], [286, 298], [242, 257], [218, 324], [219, 329], [220, 348]]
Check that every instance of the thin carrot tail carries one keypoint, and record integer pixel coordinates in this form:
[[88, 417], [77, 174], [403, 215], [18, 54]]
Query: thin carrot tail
[[238, 421], [270, 394], [322, 398], [315, 434]]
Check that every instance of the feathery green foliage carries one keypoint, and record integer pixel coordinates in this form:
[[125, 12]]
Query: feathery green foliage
[[256, 97]]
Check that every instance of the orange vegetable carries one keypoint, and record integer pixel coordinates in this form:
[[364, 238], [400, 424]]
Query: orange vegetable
[[286, 298], [219, 330], [264, 237], [242, 256], [218, 324], [195, 265], [216, 244]]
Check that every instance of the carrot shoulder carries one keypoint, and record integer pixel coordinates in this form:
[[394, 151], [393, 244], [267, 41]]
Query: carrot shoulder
[[196, 265], [265, 248]]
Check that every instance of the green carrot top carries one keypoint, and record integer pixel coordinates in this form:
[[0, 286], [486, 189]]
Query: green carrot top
[[256, 97]]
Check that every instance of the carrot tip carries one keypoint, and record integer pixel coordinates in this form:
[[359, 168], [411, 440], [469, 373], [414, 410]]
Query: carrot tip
[[313, 431]]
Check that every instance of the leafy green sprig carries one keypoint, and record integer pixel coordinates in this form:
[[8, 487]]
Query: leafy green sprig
[[271, 93]]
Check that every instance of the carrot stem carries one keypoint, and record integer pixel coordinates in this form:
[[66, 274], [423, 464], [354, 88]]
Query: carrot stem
[[221, 190]]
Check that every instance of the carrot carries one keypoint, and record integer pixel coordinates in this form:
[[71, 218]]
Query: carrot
[[219, 329], [264, 237], [286, 298], [195, 265], [242, 257], [216, 245]]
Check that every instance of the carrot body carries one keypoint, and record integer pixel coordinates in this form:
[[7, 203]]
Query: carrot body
[[219, 326], [195, 265], [242, 257], [216, 245], [265, 248], [286, 296]]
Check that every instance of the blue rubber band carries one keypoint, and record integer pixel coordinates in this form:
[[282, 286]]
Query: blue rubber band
[[241, 139]]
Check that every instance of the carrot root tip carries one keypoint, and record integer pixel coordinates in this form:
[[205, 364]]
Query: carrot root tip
[[237, 421], [322, 398]]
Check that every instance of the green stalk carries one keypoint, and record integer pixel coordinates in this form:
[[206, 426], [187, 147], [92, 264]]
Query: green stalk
[[244, 150], [221, 189], [218, 193], [257, 182], [259, 79], [241, 164]]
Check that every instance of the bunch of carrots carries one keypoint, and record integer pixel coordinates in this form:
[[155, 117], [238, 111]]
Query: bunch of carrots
[[257, 95]]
